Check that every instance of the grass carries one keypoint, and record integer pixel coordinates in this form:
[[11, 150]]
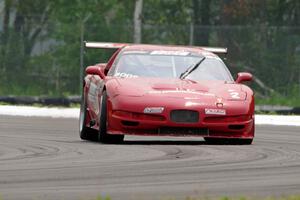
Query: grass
[[74, 105], [281, 101], [4, 104], [101, 198], [291, 99], [259, 112], [290, 197], [39, 105]]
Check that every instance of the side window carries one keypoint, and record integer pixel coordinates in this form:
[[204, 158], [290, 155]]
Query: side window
[[111, 62], [112, 69]]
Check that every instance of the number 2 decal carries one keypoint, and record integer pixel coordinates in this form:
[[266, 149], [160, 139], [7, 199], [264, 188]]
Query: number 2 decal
[[234, 94]]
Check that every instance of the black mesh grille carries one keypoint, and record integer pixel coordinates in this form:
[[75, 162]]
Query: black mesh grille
[[184, 116]]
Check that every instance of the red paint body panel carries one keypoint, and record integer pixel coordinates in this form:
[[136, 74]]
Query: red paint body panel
[[128, 98]]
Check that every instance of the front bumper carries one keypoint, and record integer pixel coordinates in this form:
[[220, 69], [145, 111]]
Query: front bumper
[[126, 117], [127, 123]]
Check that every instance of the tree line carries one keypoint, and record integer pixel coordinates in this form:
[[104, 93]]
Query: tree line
[[40, 40]]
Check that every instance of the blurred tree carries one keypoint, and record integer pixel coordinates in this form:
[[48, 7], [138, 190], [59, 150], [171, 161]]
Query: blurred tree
[[24, 22], [262, 36], [101, 20], [167, 22], [137, 21], [201, 19]]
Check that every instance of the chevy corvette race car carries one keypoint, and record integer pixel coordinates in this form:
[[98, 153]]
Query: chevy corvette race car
[[165, 90]]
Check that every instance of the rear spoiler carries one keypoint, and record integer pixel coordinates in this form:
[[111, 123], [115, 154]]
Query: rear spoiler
[[104, 45], [108, 45], [217, 50]]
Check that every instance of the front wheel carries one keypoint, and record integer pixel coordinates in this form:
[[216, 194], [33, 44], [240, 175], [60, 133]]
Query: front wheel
[[85, 133], [102, 135]]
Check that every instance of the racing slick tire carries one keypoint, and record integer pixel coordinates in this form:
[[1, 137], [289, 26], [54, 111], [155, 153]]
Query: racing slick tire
[[234, 141], [85, 133], [103, 136]]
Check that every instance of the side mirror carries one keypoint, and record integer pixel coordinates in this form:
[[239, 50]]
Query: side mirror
[[95, 70], [243, 76]]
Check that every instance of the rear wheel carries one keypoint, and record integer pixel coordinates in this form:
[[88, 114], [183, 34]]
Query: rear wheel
[[235, 141], [85, 133], [102, 135]]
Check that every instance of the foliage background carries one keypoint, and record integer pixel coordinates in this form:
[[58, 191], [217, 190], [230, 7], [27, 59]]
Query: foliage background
[[40, 40]]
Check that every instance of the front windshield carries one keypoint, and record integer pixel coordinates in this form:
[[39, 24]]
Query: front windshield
[[211, 69], [170, 66]]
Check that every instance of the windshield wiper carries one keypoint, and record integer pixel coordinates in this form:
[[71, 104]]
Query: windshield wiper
[[191, 69]]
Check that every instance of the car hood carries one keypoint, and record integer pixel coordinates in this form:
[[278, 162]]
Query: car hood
[[177, 88]]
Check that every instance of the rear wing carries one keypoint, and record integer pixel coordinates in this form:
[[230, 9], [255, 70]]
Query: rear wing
[[216, 50], [108, 45], [104, 45]]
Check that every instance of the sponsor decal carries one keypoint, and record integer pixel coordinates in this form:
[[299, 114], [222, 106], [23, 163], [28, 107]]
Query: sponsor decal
[[135, 52], [190, 103], [125, 75], [154, 110], [173, 53], [180, 91], [209, 111]]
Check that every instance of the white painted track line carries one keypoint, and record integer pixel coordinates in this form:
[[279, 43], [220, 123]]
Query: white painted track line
[[39, 111], [286, 120], [55, 112]]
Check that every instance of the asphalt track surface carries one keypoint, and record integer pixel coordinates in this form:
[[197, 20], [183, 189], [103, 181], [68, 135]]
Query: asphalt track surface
[[43, 158]]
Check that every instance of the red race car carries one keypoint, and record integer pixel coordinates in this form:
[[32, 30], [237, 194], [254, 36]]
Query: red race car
[[165, 90]]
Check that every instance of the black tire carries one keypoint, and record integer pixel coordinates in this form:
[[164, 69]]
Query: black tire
[[103, 137], [85, 133], [222, 141]]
